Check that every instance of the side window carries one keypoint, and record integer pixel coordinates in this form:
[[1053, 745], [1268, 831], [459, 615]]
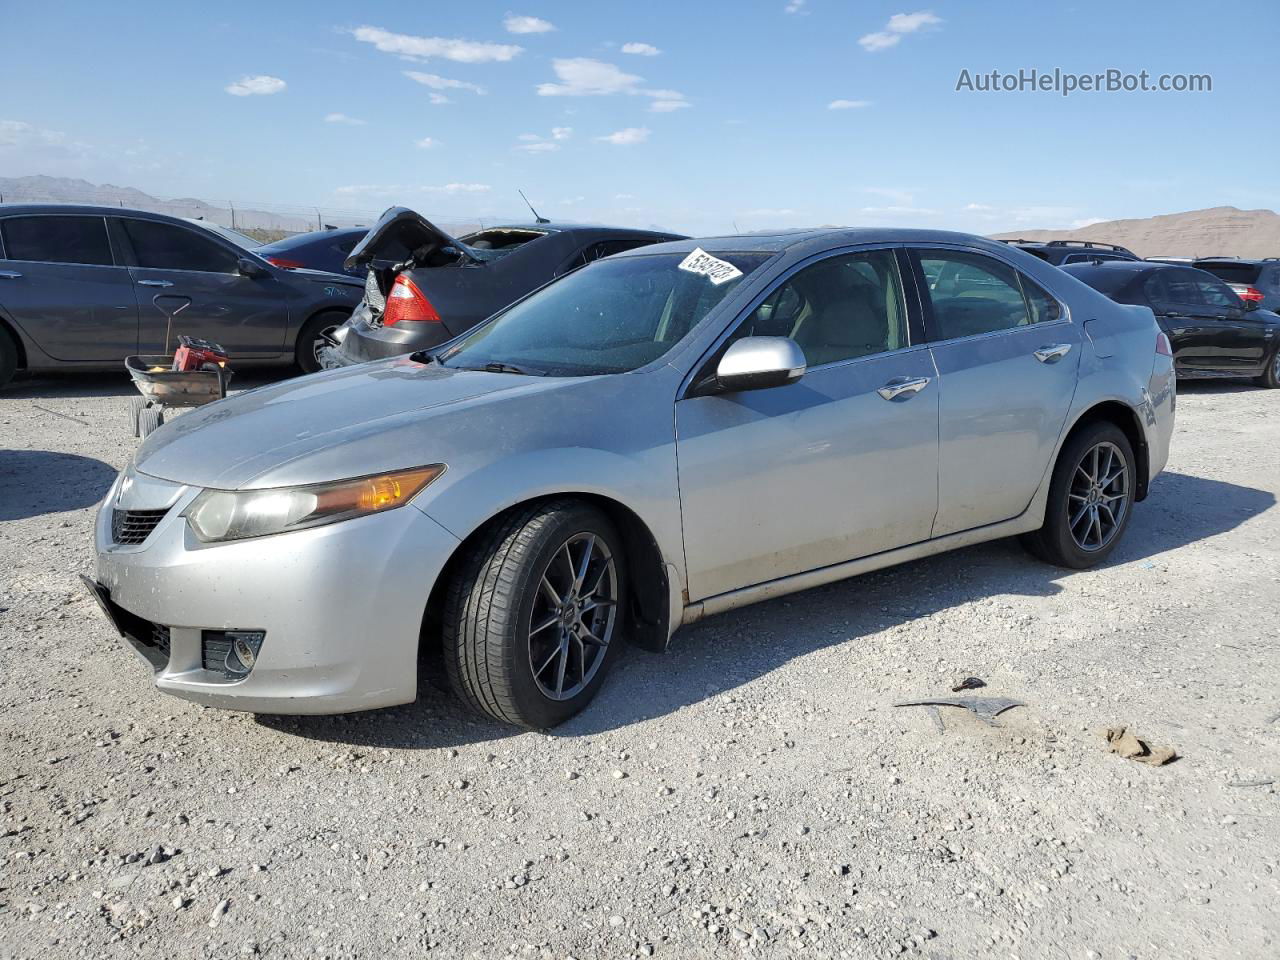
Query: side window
[[1218, 294], [57, 239], [838, 309], [163, 246], [972, 294], [1042, 304], [1180, 287], [1154, 288]]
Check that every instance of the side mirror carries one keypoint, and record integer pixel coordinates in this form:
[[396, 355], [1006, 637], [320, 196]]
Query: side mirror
[[758, 363], [251, 269], [1252, 304]]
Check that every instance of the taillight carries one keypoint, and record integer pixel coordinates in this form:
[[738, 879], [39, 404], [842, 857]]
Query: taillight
[[283, 263], [406, 302], [1247, 293], [1163, 347]]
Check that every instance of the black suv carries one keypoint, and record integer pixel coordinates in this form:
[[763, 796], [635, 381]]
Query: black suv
[[1254, 281], [1062, 252]]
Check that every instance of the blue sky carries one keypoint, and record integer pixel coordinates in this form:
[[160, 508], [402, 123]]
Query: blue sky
[[689, 116]]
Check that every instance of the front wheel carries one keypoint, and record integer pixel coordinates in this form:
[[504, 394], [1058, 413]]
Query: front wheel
[[1271, 376], [533, 615], [1090, 499]]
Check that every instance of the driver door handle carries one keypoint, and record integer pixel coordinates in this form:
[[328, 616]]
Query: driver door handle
[[10, 275], [905, 387], [1053, 352], [154, 283]]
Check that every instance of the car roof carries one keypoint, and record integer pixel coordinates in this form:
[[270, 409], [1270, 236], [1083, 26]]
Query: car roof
[[817, 239], [1132, 266], [1244, 261], [570, 227]]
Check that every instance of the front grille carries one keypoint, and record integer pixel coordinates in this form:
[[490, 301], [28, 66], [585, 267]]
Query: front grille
[[134, 526]]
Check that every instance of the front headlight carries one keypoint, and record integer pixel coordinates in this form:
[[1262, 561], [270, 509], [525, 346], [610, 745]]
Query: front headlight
[[238, 514]]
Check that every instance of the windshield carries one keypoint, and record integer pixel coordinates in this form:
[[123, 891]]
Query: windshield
[[235, 236], [609, 317]]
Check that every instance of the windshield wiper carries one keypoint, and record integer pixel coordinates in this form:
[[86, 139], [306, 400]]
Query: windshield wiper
[[497, 366]]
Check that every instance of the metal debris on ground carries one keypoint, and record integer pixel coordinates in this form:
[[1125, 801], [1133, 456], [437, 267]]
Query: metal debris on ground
[[968, 683], [1250, 783], [1128, 745], [984, 708]]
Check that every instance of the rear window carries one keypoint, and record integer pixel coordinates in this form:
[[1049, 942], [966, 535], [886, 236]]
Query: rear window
[[496, 243], [1107, 282], [609, 317], [1231, 272], [57, 239]]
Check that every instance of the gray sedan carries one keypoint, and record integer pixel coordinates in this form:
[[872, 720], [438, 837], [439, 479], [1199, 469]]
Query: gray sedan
[[83, 287], [660, 436]]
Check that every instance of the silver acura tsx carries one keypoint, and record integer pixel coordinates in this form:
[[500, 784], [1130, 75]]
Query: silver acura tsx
[[659, 436]]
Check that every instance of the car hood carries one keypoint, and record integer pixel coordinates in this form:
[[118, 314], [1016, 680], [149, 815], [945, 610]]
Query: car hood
[[290, 432], [402, 229]]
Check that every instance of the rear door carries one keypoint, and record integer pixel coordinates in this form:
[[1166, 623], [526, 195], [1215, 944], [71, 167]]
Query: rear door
[[59, 283], [186, 274], [1007, 354], [1233, 341]]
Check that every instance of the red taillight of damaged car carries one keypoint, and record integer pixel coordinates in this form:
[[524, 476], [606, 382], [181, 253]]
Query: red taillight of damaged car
[[406, 302]]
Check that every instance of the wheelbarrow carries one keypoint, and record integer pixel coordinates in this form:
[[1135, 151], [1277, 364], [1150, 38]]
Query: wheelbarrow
[[162, 387]]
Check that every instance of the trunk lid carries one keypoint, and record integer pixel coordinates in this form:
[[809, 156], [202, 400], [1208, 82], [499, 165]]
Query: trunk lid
[[404, 236]]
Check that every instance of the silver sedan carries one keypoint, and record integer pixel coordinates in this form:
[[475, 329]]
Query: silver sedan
[[654, 438]]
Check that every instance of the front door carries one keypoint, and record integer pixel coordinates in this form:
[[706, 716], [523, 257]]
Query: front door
[[1233, 341], [188, 282], [1007, 356], [776, 482], [60, 285]]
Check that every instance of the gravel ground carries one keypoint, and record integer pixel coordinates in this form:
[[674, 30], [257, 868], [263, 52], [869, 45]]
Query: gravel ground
[[753, 791]]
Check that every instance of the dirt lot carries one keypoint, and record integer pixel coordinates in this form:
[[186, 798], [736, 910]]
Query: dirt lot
[[753, 791]]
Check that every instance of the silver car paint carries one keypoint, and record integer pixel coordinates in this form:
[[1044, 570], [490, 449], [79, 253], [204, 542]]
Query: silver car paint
[[352, 595]]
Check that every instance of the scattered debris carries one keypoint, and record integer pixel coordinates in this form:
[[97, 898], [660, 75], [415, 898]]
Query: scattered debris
[[936, 714], [1128, 745], [1250, 783], [984, 708], [64, 416], [968, 683]]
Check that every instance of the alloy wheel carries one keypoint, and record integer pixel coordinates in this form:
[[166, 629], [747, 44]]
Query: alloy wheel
[[573, 616], [1099, 496], [321, 342]]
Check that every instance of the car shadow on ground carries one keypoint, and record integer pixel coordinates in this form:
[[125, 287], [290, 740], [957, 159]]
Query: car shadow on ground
[[75, 385], [1214, 385], [732, 649], [36, 482]]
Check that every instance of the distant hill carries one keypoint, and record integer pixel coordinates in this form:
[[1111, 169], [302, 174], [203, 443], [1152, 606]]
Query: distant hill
[[1216, 231], [42, 189]]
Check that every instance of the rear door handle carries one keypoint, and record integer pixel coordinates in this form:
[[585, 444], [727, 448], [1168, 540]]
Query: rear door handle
[[1053, 352], [10, 275], [154, 283], [905, 387]]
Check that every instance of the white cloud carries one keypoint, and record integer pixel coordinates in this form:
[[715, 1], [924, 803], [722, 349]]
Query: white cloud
[[536, 143], [624, 196], [424, 48], [461, 188], [343, 119], [261, 86], [641, 49], [561, 133], [437, 82], [627, 136], [16, 133], [848, 104], [388, 190], [538, 146], [898, 210], [977, 207], [585, 77], [518, 24], [426, 143], [795, 6], [899, 25]]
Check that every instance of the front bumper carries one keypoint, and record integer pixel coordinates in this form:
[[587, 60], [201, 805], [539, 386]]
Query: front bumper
[[341, 606], [361, 341]]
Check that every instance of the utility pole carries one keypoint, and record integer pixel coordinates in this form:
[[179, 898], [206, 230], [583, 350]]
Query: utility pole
[[233, 214]]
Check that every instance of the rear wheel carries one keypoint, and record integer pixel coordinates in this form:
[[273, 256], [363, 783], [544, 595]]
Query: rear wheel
[[1271, 376], [1090, 499], [8, 357], [311, 339], [532, 616]]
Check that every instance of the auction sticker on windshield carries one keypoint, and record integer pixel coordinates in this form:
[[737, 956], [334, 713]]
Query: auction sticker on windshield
[[714, 269]]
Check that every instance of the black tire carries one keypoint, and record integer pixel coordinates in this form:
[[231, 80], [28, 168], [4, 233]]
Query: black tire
[[488, 628], [149, 421], [309, 339], [8, 356], [1271, 376], [1055, 542]]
